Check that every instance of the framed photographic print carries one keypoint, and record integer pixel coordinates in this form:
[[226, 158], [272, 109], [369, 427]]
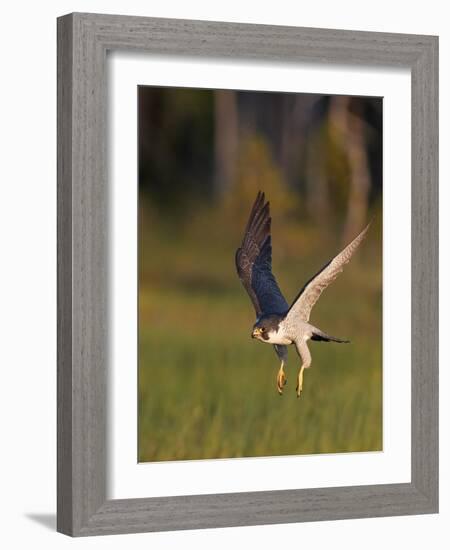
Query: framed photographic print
[[247, 274]]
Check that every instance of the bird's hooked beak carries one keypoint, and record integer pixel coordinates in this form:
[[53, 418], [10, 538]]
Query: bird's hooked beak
[[256, 332]]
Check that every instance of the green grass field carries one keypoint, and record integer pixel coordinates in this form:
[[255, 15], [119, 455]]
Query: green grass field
[[207, 390]]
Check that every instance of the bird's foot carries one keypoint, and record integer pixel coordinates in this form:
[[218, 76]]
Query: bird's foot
[[299, 388], [281, 381]]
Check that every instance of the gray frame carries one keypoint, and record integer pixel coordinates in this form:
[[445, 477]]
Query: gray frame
[[83, 40]]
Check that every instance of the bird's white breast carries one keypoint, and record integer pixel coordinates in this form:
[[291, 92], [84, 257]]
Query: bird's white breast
[[278, 337]]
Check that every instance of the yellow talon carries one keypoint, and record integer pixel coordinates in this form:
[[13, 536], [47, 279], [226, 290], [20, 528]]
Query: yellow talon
[[281, 380], [300, 381]]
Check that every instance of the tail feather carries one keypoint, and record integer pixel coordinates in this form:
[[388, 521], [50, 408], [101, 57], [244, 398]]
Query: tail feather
[[320, 336]]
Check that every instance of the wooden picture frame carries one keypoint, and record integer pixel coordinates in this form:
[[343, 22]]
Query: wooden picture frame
[[83, 41]]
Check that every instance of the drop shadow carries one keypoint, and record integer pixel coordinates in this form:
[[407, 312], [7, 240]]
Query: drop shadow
[[47, 520]]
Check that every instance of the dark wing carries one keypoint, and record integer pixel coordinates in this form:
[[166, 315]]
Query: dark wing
[[254, 262], [310, 293]]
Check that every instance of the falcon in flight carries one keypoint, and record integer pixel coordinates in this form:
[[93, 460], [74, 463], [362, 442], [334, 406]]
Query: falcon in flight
[[277, 323]]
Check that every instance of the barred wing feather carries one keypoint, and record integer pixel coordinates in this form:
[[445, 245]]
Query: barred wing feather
[[311, 292]]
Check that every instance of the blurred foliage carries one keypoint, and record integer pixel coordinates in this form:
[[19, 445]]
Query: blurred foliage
[[175, 124], [206, 390], [256, 170]]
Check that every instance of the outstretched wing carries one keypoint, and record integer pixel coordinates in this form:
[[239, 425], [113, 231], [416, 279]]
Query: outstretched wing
[[254, 262], [310, 293]]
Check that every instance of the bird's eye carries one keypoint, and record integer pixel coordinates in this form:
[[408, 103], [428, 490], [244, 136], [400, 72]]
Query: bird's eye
[[263, 329]]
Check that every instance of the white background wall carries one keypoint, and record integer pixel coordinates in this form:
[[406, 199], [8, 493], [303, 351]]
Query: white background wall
[[28, 270]]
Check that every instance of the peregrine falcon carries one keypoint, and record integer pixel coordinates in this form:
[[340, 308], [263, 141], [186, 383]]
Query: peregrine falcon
[[277, 323]]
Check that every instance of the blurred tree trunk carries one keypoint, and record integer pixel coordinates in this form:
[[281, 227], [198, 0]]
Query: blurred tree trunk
[[352, 129], [317, 195], [226, 136], [300, 120], [296, 113], [286, 136]]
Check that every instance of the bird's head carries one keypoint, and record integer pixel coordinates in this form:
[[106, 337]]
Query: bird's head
[[260, 332], [266, 327]]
